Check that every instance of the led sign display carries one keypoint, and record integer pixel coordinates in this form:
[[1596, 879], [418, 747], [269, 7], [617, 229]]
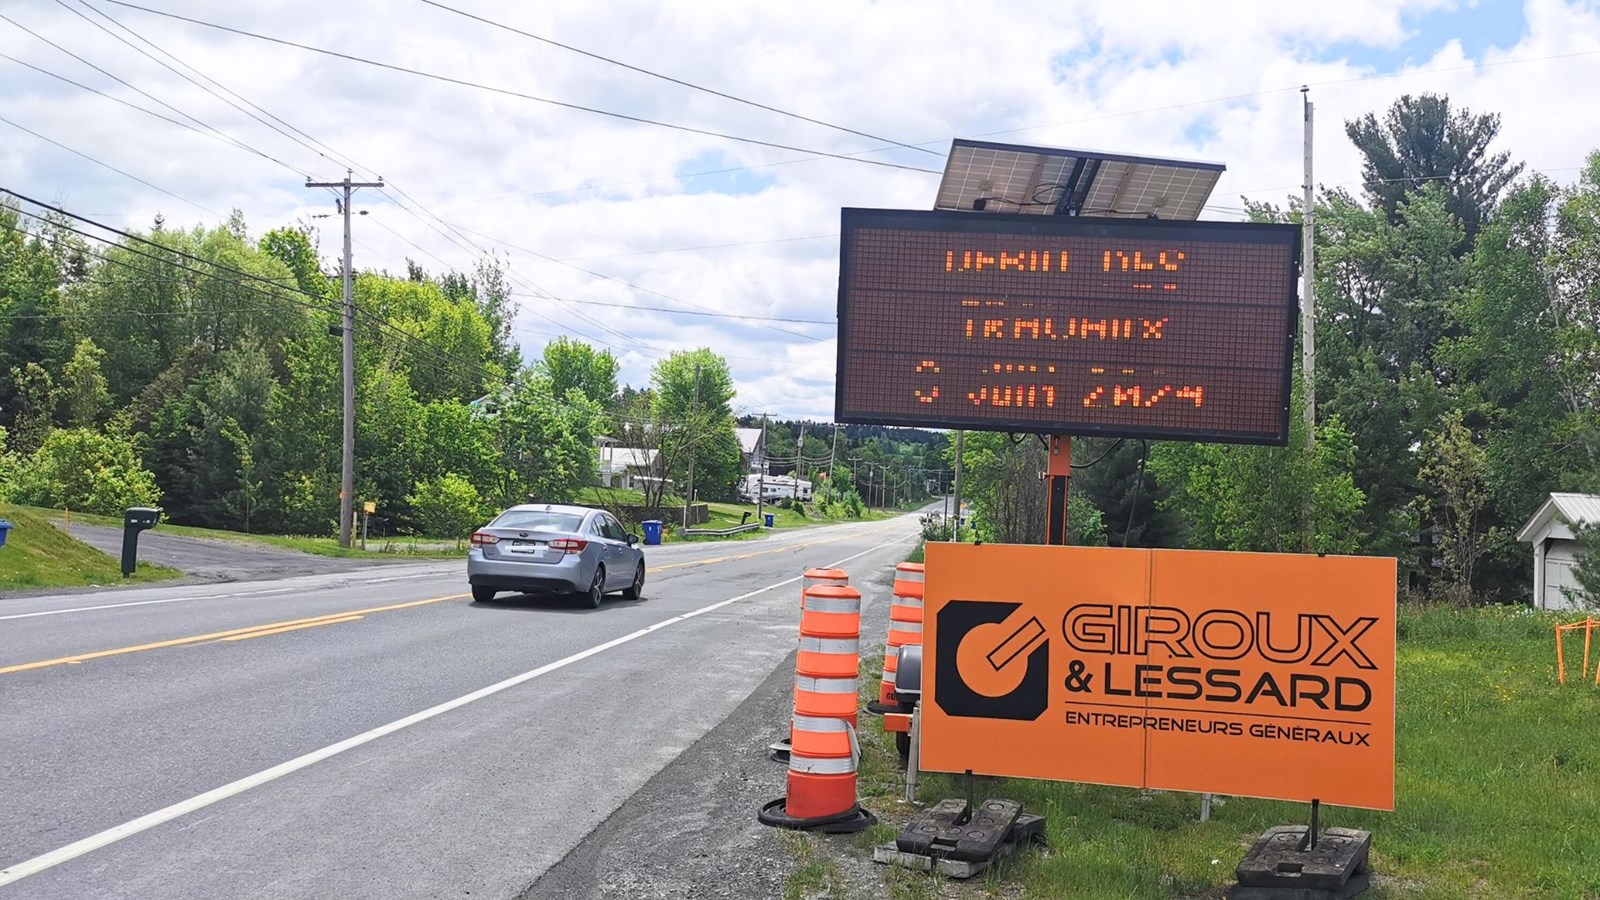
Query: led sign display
[[1067, 325]]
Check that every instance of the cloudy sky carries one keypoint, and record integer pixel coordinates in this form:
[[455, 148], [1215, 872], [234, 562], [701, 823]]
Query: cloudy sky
[[620, 214]]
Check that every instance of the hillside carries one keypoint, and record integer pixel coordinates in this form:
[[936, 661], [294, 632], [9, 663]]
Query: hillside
[[39, 555]]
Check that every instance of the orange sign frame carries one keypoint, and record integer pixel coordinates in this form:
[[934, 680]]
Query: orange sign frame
[[1252, 674]]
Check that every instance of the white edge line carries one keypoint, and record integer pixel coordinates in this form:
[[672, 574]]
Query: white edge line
[[34, 866], [78, 609]]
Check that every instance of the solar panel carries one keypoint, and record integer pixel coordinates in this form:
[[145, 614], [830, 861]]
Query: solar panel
[[981, 176]]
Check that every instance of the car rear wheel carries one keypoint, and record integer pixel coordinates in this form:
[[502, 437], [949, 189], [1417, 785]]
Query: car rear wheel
[[597, 590], [482, 594], [636, 590]]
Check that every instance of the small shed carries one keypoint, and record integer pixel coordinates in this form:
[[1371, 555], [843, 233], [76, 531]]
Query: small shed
[[1555, 547]]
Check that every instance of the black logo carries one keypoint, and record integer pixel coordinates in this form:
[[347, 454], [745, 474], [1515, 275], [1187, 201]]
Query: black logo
[[952, 691]]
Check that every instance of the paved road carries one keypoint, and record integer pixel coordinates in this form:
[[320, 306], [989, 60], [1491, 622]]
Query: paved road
[[217, 560], [371, 733]]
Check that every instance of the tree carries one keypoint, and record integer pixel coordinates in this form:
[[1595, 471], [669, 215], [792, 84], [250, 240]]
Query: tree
[[447, 506], [1420, 142], [692, 397], [1454, 469], [546, 448], [1256, 498], [83, 391], [34, 402], [572, 365], [83, 469], [1003, 480]]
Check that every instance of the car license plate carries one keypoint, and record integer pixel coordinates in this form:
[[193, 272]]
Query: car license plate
[[527, 547]]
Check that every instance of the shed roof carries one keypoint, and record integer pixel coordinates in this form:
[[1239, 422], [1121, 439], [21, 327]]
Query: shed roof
[[1561, 509]]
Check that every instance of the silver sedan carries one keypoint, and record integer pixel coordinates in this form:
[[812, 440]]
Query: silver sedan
[[545, 548]]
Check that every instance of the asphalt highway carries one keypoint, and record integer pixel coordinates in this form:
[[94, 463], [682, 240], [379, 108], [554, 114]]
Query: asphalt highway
[[371, 733]]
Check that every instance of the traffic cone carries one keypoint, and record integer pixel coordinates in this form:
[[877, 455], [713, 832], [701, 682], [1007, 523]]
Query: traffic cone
[[821, 789], [905, 627], [813, 578]]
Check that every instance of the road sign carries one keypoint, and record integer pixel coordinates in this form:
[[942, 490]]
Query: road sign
[[1067, 325], [1254, 674]]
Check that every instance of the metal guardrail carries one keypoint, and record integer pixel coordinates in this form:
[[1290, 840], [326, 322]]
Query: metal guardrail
[[720, 532]]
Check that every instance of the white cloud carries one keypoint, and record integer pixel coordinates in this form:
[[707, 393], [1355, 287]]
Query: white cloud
[[1126, 76]]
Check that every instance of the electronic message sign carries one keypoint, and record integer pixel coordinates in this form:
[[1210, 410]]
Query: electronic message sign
[[1254, 674], [1067, 325]]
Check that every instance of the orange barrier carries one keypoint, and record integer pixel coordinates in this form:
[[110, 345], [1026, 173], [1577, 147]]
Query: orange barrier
[[1588, 625], [905, 627], [820, 577], [815, 578], [828, 665], [823, 754]]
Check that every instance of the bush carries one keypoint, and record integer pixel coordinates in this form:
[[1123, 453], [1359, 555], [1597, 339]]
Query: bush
[[448, 506], [79, 468]]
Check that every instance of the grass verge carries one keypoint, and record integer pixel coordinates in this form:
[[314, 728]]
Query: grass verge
[[1498, 789], [39, 555], [381, 548]]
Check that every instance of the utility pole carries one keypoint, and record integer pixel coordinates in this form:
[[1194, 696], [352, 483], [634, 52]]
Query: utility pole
[[1308, 292], [761, 486], [800, 456], [347, 475], [955, 520], [694, 418], [834, 450]]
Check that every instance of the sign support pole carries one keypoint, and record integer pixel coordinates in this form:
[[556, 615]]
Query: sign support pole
[[1057, 475]]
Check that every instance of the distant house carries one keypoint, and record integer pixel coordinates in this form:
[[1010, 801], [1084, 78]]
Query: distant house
[[1556, 549], [629, 468], [752, 448]]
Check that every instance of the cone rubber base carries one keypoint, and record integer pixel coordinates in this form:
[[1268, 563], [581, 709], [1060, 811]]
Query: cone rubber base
[[878, 707], [848, 822], [778, 751]]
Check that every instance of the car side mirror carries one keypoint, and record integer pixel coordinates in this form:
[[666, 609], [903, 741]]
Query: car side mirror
[[633, 539]]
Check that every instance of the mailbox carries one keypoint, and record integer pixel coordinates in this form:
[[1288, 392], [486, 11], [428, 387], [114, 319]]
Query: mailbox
[[135, 520]]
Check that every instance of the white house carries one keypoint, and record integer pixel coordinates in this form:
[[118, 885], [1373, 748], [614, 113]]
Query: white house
[[630, 468], [1555, 547]]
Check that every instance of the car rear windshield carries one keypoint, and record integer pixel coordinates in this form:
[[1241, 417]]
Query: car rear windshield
[[532, 519]]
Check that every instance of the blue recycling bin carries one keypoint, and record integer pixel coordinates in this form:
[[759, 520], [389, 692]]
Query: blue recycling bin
[[652, 532], [768, 517], [5, 529]]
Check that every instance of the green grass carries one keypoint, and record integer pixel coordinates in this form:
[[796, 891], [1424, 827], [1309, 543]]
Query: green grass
[[379, 548], [1498, 788], [39, 555]]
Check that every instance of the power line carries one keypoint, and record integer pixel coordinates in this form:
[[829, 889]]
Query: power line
[[785, 240], [508, 92], [147, 54], [141, 92], [677, 81], [696, 312], [106, 165], [436, 359], [628, 284]]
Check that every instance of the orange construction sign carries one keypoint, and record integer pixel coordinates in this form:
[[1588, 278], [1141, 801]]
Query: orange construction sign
[[1252, 674]]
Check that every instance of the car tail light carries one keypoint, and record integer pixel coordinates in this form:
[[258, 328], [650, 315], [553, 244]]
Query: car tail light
[[483, 539], [568, 545]]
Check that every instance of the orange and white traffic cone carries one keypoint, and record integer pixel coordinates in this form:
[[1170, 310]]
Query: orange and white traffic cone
[[905, 627], [813, 578], [821, 790]]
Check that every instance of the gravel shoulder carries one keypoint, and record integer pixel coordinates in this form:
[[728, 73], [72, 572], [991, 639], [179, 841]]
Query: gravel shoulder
[[691, 832]]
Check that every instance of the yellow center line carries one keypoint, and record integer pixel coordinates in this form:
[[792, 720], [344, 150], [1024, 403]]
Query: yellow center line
[[272, 631], [250, 631]]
